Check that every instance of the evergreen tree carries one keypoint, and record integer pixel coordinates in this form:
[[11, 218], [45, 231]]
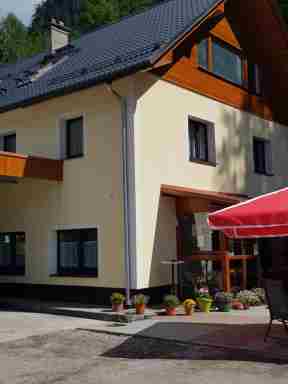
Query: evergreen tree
[[284, 7]]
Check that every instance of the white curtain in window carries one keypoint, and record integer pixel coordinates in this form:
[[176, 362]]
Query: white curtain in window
[[69, 254], [5, 254], [90, 254]]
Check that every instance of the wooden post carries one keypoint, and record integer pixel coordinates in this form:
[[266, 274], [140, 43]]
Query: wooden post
[[244, 273], [226, 272]]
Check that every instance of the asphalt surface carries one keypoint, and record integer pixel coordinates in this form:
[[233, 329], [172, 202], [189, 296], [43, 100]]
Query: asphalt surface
[[77, 356], [45, 349]]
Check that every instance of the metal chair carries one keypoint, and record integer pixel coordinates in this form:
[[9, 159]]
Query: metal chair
[[277, 300]]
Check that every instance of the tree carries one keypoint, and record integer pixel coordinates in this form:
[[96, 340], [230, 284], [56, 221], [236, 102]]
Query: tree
[[284, 7], [84, 15], [16, 41], [12, 39]]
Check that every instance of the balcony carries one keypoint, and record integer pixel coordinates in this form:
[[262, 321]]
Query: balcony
[[15, 166]]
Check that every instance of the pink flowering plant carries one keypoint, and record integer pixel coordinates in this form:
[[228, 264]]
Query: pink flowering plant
[[203, 293]]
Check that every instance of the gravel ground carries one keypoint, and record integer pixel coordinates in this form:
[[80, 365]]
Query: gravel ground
[[77, 356]]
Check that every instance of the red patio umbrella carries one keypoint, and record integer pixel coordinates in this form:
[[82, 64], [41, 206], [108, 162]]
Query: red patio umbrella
[[263, 216]]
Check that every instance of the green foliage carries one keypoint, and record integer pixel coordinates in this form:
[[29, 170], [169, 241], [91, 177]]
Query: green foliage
[[284, 7], [16, 41], [117, 298], [171, 301], [248, 298], [84, 15], [140, 299], [223, 298]]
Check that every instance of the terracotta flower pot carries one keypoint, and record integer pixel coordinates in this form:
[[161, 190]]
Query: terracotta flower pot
[[189, 309], [140, 309], [116, 307], [171, 311]]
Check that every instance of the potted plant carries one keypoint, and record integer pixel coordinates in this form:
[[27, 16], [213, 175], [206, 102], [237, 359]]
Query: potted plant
[[237, 305], [171, 302], [248, 298], [140, 302], [117, 300], [204, 300], [189, 305], [223, 301]]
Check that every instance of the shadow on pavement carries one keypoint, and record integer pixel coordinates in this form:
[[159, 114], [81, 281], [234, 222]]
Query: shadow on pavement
[[178, 340]]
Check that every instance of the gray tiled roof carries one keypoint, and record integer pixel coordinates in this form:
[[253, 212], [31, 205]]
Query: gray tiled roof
[[110, 51]]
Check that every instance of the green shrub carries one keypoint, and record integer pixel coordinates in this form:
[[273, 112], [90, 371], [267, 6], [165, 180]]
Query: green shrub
[[171, 301], [117, 298]]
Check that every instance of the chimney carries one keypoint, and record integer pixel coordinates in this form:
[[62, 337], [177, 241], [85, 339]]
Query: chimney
[[59, 35]]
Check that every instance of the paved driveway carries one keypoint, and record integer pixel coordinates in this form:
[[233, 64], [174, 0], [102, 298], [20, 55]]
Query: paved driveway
[[17, 325], [48, 349]]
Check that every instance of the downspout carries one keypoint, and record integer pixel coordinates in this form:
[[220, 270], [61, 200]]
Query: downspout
[[125, 174]]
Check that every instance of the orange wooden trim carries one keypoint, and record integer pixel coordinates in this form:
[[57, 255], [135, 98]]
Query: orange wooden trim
[[179, 191], [216, 10], [242, 257], [18, 166]]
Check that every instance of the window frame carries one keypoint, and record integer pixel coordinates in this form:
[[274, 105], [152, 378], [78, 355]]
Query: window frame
[[267, 145], [12, 269], [78, 271], [210, 40], [210, 145], [3, 137], [67, 153]]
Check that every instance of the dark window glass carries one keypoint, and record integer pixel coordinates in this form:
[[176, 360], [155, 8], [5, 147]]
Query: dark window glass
[[203, 54], [9, 143], [198, 140], [262, 156], [74, 138], [227, 64], [254, 79], [12, 253], [78, 251]]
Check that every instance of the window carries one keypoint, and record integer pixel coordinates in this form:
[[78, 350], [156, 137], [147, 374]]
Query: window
[[201, 141], [12, 253], [74, 138], [254, 79], [203, 54], [78, 252], [262, 156], [227, 63], [8, 142]]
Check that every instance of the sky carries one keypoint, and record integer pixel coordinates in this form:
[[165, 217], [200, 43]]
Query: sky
[[22, 8]]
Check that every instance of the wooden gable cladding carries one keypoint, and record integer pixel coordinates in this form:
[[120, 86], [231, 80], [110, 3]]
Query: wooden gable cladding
[[13, 165], [186, 73]]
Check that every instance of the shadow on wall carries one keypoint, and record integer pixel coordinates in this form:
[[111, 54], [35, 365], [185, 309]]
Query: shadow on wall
[[164, 242], [235, 171]]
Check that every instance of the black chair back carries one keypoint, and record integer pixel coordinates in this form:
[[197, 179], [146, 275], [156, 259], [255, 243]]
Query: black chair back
[[277, 299]]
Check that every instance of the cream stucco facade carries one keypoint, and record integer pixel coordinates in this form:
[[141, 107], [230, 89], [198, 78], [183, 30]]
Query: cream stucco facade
[[162, 157], [91, 194]]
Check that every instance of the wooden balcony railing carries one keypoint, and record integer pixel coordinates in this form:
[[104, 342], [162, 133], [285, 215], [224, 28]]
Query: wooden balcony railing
[[14, 165]]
